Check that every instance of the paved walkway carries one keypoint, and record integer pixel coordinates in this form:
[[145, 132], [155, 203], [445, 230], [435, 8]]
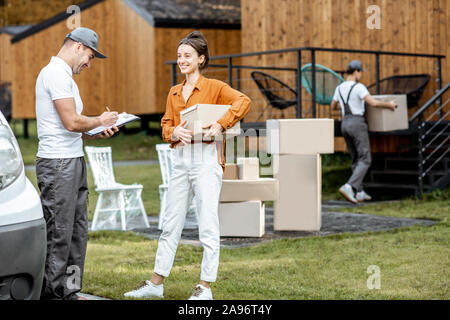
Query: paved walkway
[[332, 223]]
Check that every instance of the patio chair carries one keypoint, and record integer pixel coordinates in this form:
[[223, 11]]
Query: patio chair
[[165, 163], [326, 82], [118, 206], [279, 95], [412, 85]]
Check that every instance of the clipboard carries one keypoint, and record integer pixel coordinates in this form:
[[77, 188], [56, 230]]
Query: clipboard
[[123, 119]]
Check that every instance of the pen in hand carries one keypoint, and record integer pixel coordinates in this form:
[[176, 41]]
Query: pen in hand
[[109, 118]]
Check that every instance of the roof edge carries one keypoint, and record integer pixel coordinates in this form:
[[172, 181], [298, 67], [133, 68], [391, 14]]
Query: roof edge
[[181, 23], [52, 21], [142, 13], [193, 23], [6, 29]]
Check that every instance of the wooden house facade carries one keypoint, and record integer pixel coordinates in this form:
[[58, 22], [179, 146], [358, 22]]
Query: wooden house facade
[[137, 36], [6, 34], [412, 26]]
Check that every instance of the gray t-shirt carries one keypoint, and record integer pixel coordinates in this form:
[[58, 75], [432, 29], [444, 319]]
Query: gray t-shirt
[[356, 101]]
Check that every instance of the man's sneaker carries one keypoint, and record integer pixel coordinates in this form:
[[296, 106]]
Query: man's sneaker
[[363, 196], [147, 290], [347, 191], [201, 293]]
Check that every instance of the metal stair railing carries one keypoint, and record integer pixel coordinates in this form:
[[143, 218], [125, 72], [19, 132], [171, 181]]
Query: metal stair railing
[[422, 135]]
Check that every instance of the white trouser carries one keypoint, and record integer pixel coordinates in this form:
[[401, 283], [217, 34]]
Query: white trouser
[[195, 170]]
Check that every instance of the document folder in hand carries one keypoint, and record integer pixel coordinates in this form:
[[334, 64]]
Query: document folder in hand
[[123, 119]]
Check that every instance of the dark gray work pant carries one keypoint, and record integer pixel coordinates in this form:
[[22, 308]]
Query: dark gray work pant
[[64, 193], [356, 135]]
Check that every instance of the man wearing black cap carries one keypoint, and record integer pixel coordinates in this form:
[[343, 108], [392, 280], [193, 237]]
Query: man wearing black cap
[[60, 165], [351, 95]]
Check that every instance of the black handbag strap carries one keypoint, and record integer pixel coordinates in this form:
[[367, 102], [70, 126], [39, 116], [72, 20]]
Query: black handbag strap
[[346, 106]]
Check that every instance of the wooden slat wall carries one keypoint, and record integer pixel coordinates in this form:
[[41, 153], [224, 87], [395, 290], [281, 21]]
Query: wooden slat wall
[[133, 78], [420, 26], [123, 81], [220, 42], [5, 57]]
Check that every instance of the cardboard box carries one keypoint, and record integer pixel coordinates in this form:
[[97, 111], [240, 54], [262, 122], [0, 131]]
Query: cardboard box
[[242, 219], [383, 119], [200, 115], [248, 168], [300, 136], [263, 189], [231, 172], [298, 207]]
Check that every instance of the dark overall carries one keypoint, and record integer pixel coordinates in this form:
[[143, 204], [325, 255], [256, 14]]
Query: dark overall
[[356, 134]]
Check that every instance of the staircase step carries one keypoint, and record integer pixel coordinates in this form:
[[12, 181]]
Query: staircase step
[[412, 163], [406, 172], [385, 191], [405, 176], [396, 172], [390, 185]]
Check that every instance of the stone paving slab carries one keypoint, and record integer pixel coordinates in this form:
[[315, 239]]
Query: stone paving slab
[[332, 223]]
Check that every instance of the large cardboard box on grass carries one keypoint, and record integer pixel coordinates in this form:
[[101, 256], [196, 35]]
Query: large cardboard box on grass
[[300, 136], [383, 119], [248, 168], [200, 115], [242, 219], [263, 189], [298, 207]]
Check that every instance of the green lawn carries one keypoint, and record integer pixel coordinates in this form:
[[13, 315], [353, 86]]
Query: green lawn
[[137, 146], [414, 262], [142, 147], [147, 175]]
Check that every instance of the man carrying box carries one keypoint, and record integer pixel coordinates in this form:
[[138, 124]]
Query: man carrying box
[[354, 128]]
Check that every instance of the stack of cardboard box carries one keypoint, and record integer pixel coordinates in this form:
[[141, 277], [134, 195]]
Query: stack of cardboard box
[[296, 146], [241, 207]]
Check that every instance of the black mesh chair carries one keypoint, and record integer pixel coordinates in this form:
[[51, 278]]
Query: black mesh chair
[[278, 93], [412, 85]]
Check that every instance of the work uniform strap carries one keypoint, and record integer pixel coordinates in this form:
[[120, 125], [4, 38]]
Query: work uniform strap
[[346, 106]]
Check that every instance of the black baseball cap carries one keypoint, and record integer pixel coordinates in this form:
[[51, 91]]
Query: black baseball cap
[[88, 38]]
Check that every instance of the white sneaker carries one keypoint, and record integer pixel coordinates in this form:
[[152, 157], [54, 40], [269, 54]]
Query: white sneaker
[[201, 293], [147, 290], [347, 191], [363, 196]]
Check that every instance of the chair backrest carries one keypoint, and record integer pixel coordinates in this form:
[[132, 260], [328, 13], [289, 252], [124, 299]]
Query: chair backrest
[[326, 82], [278, 93], [412, 85], [100, 160], [165, 161]]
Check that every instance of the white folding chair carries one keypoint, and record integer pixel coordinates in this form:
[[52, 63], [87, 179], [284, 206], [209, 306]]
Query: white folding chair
[[118, 206], [165, 163]]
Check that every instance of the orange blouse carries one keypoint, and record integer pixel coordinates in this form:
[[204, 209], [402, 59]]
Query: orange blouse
[[207, 91]]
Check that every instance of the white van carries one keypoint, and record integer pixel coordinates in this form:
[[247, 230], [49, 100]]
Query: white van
[[22, 225]]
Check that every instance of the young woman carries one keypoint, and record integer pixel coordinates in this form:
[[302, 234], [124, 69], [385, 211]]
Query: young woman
[[197, 167]]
